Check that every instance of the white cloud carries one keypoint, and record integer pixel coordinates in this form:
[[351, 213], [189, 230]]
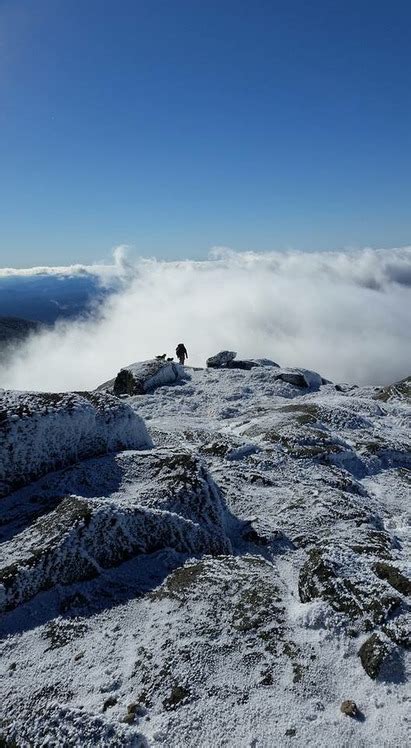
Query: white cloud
[[344, 314], [105, 272]]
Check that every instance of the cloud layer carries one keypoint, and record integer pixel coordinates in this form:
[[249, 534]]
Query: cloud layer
[[117, 270], [344, 314]]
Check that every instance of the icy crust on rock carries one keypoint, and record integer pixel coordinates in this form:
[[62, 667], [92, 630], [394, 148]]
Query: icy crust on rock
[[41, 432], [173, 503], [146, 376]]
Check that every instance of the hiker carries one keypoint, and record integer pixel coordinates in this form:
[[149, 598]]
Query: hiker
[[181, 353]]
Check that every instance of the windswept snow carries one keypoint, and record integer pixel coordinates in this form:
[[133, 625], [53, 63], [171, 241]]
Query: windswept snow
[[41, 432], [231, 586]]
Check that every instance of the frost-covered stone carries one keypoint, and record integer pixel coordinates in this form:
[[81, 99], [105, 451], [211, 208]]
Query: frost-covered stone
[[146, 376], [42, 431], [344, 583], [176, 505]]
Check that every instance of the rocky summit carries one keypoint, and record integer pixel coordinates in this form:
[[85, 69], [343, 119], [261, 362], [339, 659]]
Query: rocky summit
[[219, 558]]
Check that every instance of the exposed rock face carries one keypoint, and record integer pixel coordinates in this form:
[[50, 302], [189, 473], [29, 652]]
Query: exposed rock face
[[176, 505], [41, 432], [146, 376]]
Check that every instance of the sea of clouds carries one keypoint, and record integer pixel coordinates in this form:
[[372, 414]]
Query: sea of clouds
[[344, 314]]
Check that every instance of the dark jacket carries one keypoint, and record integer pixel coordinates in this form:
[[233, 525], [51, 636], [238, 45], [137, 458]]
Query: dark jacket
[[181, 351]]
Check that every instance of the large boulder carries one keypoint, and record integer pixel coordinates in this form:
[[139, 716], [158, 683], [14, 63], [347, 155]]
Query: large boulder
[[228, 360], [220, 359], [44, 431], [146, 376], [250, 363], [303, 378]]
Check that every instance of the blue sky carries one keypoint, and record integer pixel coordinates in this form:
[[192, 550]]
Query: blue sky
[[176, 126]]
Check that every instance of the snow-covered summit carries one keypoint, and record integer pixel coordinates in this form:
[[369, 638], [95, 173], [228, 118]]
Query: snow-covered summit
[[245, 576]]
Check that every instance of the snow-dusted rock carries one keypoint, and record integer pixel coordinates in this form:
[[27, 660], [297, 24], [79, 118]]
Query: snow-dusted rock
[[348, 586], [397, 391], [220, 359], [41, 432], [146, 376], [173, 503]]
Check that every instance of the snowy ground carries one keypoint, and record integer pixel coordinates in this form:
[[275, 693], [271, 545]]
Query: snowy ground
[[216, 590]]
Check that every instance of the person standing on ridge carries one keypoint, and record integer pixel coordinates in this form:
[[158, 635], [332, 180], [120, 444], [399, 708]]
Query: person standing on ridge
[[181, 353]]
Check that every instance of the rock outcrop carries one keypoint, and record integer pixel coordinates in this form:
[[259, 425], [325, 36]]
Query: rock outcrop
[[44, 431], [301, 378], [176, 505]]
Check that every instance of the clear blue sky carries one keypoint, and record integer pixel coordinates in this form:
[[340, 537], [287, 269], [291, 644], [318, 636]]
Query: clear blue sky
[[177, 125]]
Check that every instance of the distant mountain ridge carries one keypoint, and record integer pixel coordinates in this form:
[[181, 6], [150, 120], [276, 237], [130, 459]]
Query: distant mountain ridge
[[47, 298], [14, 330]]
